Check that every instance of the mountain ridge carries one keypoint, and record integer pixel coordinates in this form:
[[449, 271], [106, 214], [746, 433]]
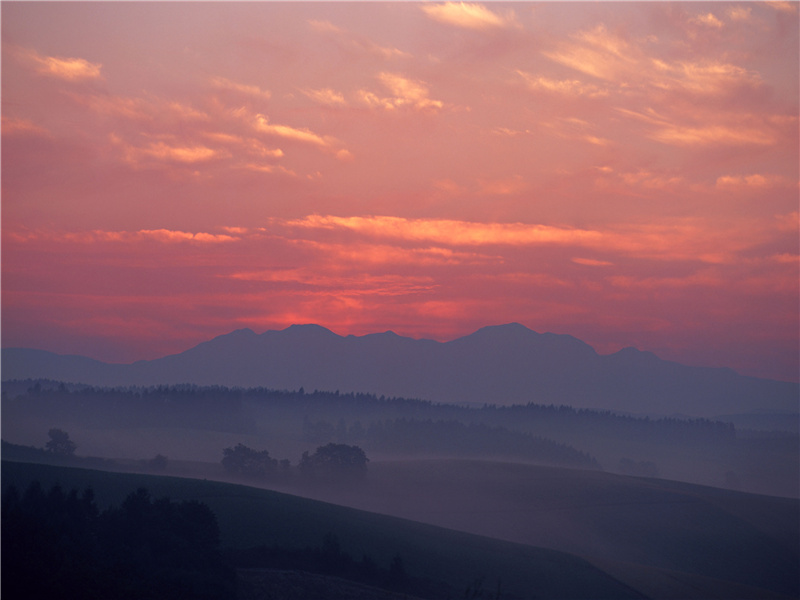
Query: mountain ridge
[[497, 364]]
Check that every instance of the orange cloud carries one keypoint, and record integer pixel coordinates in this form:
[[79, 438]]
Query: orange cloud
[[326, 96], [249, 90], [406, 92], [565, 87], [755, 180], [70, 69], [468, 15], [305, 136], [684, 135], [12, 126], [684, 240], [708, 20], [591, 262]]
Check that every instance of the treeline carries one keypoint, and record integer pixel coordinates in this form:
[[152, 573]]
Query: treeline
[[239, 410], [330, 559], [58, 544], [413, 437], [332, 463]]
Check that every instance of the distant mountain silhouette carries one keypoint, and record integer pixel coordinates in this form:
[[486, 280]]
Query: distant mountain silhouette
[[501, 364]]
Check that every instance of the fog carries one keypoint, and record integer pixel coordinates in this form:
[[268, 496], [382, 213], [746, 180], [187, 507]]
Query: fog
[[611, 488]]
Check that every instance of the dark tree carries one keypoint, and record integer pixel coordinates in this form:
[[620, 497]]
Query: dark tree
[[246, 462], [60, 443], [335, 462], [58, 545]]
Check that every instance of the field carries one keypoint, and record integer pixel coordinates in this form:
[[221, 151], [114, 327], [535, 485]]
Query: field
[[568, 533]]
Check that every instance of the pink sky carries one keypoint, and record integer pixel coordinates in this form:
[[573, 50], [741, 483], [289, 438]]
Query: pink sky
[[626, 173]]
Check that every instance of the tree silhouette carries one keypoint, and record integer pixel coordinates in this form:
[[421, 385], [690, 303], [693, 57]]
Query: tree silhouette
[[60, 443], [335, 462], [249, 463]]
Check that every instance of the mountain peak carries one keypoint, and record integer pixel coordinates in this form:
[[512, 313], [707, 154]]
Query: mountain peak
[[308, 329]]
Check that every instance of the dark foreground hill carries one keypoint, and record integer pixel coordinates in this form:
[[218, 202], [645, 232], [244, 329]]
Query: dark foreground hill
[[636, 537], [496, 365], [250, 517]]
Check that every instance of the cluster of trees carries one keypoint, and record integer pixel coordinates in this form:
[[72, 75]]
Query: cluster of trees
[[58, 544], [327, 559], [238, 410], [417, 436], [332, 462]]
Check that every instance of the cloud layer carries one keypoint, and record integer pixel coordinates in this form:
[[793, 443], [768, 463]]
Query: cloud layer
[[627, 173]]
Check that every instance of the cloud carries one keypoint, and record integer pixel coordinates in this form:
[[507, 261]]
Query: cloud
[[140, 109], [249, 90], [99, 235], [591, 262], [69, 69], [406, 93], [708, 20], [754, 180], [783, 6], [686, 135], [468, 15], [682, 240], [565, 87], [609, 56], [739, 13], [161, 151], [13, 126], [356, 44], [305, 136], [326, 96], [729, 129]]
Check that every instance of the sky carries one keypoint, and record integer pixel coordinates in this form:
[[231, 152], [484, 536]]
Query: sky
[[626, 173]]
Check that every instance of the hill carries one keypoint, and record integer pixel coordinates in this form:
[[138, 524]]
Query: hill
[[497, 365], [250, 517], [734, 545]]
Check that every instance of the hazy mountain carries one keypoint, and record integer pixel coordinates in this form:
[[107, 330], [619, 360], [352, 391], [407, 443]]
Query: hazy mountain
[[501, 364]]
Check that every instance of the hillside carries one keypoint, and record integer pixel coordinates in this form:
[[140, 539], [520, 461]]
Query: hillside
[[720, 544], [247, 518], [496, 365]]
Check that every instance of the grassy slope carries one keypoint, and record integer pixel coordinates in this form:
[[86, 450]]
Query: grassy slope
[[664, 539], [250, 516], [733, 536]]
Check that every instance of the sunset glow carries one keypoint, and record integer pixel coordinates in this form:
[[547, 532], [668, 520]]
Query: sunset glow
[[626, 173]]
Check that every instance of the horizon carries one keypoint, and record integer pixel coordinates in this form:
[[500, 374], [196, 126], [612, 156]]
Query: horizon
[[389, 331], [626, 174]]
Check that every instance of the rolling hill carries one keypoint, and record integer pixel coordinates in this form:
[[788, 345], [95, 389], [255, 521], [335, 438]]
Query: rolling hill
[[682, 541], [497, 365]]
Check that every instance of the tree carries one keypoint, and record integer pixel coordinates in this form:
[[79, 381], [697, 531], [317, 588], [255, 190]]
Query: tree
[[60, 443], [335, 462], [246, 462]]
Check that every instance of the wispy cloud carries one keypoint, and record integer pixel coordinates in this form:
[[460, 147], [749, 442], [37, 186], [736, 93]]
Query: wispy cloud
[[242, 88], [99, 235], [326, 96], [565, 87], [13, 126], [685, 240], [69, 69], [405, 93], [356, 44], [261, 123], [469, 15]]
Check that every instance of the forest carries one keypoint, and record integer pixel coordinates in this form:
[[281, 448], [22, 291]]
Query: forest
[[287, 423]]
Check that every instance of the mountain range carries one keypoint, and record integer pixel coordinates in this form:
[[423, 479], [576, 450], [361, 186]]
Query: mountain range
[[504, 364]]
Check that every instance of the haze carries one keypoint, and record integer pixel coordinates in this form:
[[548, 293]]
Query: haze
[[626, 173]]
